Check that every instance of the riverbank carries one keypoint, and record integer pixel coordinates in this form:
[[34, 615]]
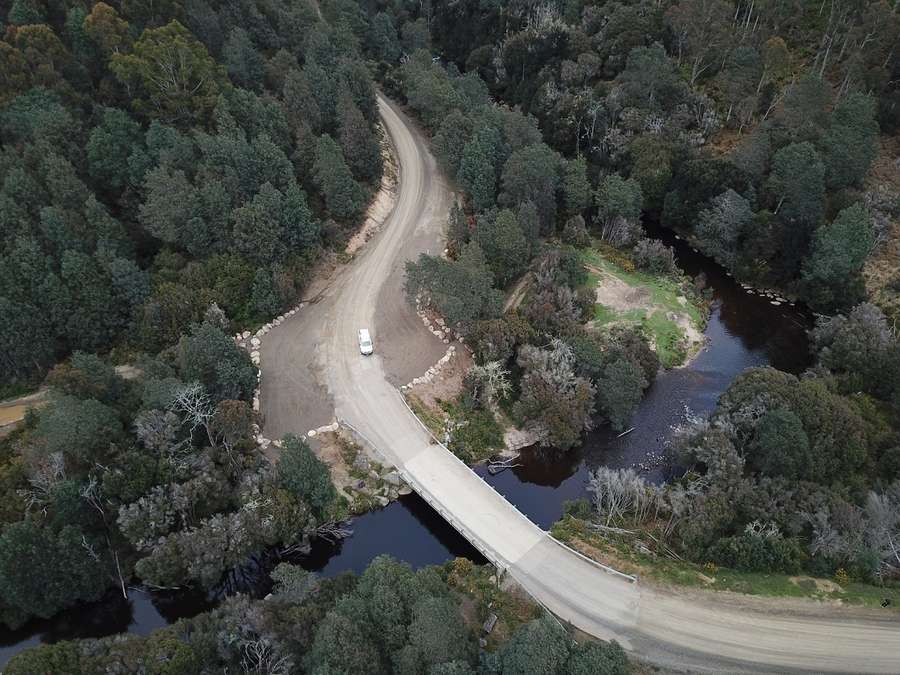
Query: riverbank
[[625, 552]]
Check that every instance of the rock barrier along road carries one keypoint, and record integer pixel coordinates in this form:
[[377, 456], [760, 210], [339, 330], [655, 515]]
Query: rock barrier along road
[[696, 631]]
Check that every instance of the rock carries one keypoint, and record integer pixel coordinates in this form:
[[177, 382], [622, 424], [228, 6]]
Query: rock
[[277, 444], [254, 354], [404, 490], [256, 405], [237, 337], [489, 623], [774, 302], [311, 433], [373, 474], [446, 341], [255, 342], [360, 485], [382, 501], [482, 643], [245, 334], [393, 478], [681, 300], [361, 462], [264, 443]]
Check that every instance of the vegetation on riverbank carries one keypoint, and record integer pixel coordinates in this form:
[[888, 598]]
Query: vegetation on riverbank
[[787, 477], [625, 552], [448, 620], [471, 433]]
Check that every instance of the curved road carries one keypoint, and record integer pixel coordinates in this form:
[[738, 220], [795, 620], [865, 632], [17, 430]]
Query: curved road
[[685, 632]]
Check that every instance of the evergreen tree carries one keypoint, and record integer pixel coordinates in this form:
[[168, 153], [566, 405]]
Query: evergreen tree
[[246, 66], [263, 297], [849, 146], [344, 197], [478, 169], [110, 145], [831, 273]]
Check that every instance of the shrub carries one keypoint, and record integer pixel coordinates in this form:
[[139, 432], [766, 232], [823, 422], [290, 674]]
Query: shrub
[[651, 255], [758, 553]]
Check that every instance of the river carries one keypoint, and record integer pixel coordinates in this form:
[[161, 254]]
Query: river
[[744, 330]]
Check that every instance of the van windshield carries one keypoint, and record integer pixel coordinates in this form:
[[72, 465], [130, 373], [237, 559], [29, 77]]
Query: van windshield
[[366, 343]]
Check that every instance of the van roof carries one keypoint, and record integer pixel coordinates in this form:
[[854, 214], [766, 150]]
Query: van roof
[[364, 332]]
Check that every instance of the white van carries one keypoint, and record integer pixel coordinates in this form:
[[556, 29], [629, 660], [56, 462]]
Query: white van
[[365, 342]]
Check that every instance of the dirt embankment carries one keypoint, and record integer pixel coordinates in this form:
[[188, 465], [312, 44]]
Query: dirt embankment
[[382, 204]]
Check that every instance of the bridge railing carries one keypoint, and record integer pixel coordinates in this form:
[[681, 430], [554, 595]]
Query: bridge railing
[[430, 500]]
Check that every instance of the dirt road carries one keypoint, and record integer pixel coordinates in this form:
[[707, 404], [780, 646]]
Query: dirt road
[[313, 370]]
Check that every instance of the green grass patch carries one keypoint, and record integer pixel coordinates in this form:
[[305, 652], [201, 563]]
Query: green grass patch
[[622, 556], [668, 337]]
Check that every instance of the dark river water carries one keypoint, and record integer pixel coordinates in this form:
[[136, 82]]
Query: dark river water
[[744, 330]]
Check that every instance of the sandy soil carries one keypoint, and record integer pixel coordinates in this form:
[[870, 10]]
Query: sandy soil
[[447, 384], [13, 411], [382, 205], [614, 293]]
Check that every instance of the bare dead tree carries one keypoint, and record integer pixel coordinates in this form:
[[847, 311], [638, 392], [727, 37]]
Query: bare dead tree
[[193, 404], [260, 657], [47, 474]]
